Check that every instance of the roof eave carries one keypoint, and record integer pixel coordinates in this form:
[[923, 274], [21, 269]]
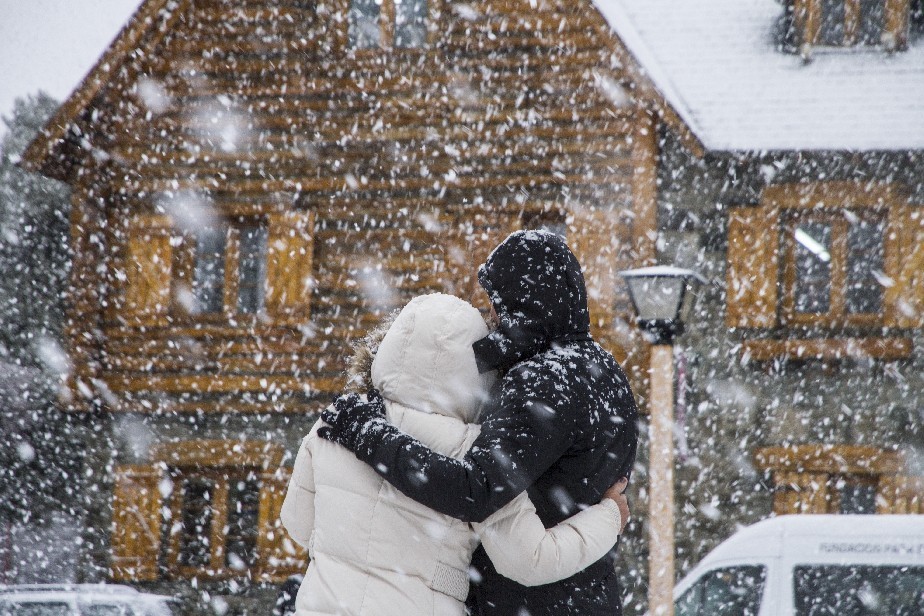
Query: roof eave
[[668, 108], [39, 154]]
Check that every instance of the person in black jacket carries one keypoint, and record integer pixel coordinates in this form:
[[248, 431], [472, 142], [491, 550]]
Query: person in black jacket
[[562, 424]]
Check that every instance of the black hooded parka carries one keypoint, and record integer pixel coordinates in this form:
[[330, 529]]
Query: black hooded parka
[[562, 424]]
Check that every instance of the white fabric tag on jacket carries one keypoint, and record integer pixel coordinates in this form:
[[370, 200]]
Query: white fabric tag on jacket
[[450, 581]]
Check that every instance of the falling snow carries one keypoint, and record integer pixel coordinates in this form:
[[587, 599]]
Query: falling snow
[[242, 191]]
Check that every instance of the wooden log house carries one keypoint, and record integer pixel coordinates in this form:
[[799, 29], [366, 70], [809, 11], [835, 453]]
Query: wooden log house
[[255, 182]]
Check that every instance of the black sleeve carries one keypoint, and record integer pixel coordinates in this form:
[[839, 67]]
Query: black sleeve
[[521, 437]]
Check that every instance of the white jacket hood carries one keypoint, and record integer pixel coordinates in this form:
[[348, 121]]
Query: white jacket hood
[[426, 362]]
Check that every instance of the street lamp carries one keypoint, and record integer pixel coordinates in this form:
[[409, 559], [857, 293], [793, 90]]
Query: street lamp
[[663, 299]]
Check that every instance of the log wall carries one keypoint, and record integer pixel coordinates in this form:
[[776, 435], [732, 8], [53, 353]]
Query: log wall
[[413, 164]]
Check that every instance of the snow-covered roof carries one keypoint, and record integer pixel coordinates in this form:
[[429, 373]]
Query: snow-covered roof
[[717, 64]]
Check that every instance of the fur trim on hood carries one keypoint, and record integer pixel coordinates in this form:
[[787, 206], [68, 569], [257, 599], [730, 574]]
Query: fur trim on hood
[[359, 372]]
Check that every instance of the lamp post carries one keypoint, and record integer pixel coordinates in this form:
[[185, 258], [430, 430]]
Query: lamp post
[[663, 299]]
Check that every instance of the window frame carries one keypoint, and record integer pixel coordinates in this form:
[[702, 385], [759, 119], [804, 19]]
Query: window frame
[[809, 479], [185, 265], [222, 462], [837, 315], [221, 479], [754, 284]]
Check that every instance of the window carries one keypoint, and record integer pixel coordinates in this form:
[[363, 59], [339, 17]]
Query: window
[[375, 24], [195, 522], [827, 258], [856, 495], [834, 264], [228, 266], [815, 479], [858, 590], [206, 509], [255, 264], [848, 22], [839, 23], [243, 515], [35, 609], [209, 279], [215, 521], [251, 270], [825, 492], [872, 22], [104, 609], [410, 23], [733, 591], [831, 29], [365, 24]]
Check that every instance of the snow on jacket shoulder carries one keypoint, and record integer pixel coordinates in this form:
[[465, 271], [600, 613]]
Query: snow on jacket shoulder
[[374, 550]]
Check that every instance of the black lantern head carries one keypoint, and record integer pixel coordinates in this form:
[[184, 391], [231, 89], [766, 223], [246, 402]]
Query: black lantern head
[[663, 299]]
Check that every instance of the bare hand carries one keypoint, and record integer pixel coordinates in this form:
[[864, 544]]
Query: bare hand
[[616, 493]]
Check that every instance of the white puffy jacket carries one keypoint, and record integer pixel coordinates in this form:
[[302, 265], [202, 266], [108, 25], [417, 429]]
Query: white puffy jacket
[[376, 552]]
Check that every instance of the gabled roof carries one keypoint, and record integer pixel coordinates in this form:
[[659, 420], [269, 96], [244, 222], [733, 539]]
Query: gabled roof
[[147, 26], [60, 146], [718, 65]]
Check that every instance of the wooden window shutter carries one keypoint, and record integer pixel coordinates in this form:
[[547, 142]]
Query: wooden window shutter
[[136, 518], [800, 493], [904, 297], [897, 14], [753, 266], [290, 267], [148, 267], [279, 556], [900, 494], [807, 14]]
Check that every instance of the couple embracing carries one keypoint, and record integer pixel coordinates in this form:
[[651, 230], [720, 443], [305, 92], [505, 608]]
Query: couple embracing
[[484, 472]]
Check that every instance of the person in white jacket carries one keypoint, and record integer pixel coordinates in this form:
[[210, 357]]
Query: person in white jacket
[[374, 551]]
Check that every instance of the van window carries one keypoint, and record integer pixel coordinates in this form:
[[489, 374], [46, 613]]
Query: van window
[[38, 608], [102, 609], [855, 590], [167, 608], [732, 591]]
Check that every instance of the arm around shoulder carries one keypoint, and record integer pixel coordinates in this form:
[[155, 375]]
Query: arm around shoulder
[[515, 446]]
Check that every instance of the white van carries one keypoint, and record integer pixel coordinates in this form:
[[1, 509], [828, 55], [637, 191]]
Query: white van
[[812, 565], [83, 600]]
